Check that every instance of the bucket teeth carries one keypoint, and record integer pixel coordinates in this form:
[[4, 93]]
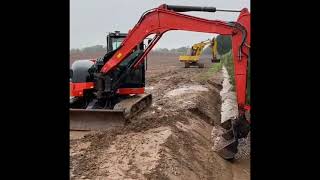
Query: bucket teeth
[[229, 151]]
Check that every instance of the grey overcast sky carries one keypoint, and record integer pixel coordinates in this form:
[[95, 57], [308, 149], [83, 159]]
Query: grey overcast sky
[[90, 20]]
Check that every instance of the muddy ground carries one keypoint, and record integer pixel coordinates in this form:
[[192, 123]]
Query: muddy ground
[[169, 140]]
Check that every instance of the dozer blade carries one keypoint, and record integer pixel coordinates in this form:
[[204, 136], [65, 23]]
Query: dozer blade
[[101, 119], [95, 119]]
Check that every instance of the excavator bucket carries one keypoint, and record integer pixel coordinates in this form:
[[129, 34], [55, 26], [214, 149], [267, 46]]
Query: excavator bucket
[[215, 60], [95, 119], [226, 137], [225, 143], [101, 119]]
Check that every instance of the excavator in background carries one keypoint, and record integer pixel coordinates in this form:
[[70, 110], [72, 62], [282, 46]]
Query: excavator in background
[[108, 91], [196, 52]]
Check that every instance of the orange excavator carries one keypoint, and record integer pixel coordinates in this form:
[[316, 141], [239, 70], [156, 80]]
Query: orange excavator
[[108, 91]]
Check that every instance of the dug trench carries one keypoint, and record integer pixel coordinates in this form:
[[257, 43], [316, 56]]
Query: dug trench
[[169, 140]]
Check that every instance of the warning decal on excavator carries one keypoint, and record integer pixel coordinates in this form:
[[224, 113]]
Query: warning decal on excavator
[[119, 55]]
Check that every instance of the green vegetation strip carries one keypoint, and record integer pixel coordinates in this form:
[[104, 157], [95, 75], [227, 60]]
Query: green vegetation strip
[[227, 61]]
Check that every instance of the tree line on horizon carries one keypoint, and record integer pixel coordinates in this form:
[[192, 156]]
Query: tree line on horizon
[[224, 46]]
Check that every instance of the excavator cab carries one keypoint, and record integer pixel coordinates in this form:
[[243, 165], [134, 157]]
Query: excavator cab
[[114, 40], [135, 79]]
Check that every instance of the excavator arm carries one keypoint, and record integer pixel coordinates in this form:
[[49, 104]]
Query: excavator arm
[[200, 46], [159, 20]]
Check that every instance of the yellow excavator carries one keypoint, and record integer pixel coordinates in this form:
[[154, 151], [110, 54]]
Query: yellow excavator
[[196, 52]]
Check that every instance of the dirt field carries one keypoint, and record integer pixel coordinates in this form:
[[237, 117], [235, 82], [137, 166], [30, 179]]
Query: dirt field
[[169, 140]]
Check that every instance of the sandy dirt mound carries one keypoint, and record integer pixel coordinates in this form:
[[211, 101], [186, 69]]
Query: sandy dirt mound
[[133, 154]]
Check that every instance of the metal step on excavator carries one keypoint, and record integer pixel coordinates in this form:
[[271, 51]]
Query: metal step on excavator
[[108, 91]]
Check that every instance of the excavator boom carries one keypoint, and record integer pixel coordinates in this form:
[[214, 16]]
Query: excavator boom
[[165, 18]]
